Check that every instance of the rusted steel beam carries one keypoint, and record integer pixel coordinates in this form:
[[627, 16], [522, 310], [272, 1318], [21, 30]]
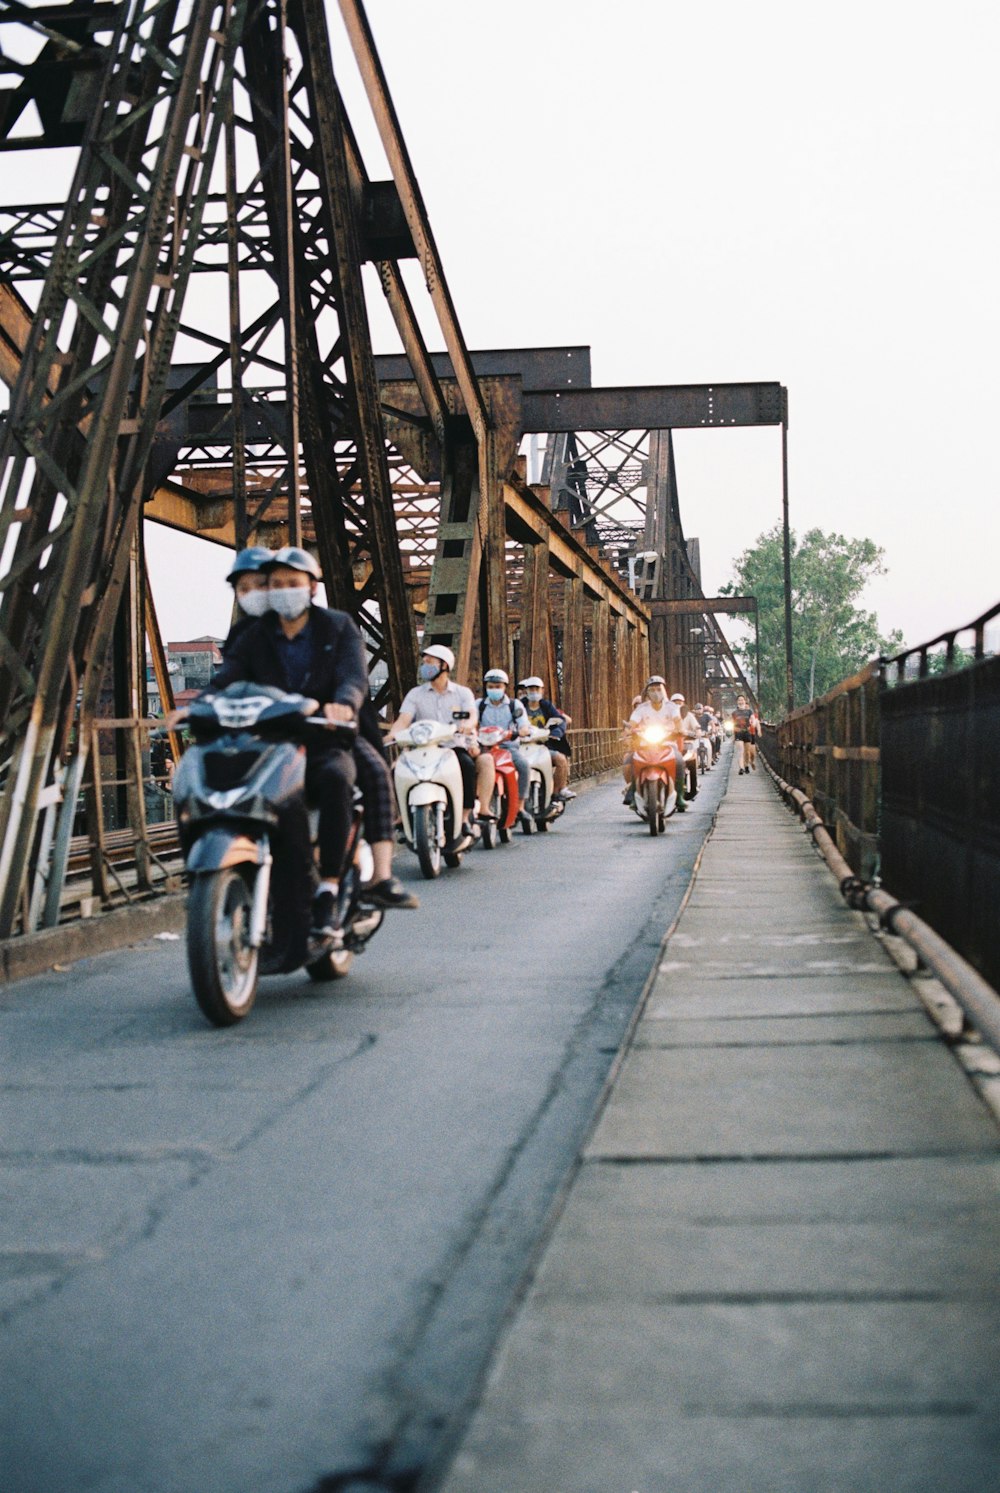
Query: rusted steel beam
[[387, 123], [697, 605], [667, 407], [536, 367], [528, 515]]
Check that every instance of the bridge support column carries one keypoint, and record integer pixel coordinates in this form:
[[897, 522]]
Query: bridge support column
[[573, 653]]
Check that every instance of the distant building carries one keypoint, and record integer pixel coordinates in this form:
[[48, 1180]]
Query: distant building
[[190, 666]]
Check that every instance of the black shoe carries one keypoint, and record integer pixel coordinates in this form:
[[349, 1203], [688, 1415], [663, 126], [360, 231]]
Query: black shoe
[[389, 893], [324, 914], [628, 798]]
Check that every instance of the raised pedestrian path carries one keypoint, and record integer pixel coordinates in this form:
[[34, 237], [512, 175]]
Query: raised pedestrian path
[[776, 1266]]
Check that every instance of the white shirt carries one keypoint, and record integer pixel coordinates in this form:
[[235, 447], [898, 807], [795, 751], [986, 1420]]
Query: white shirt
[[667, 714], [425, 703]]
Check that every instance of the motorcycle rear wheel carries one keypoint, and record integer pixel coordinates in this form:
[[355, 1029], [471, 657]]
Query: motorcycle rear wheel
[[651, 800], [221, 963], [425, 840], [489, 828]]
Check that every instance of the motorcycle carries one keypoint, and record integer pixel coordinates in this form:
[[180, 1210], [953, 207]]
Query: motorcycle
[[703, 749], [245, 766], [428, 783], [540, 807], [653, 774], [505, 804]]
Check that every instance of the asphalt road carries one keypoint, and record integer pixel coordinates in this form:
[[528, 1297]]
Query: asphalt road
[[276, 1257]]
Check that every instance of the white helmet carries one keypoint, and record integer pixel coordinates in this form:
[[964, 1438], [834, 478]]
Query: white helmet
[[677, 699], [440, 652], [533, 683], [500, 676]]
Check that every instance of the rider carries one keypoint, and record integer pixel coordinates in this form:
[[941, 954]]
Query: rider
[[689, 727], [540, 712], [654, 706], [315, 651], [743, 721], [248, 579], [438, 698], [496, 708]]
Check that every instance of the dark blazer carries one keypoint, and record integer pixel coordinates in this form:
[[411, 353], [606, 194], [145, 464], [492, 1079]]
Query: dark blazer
[[337, 675]]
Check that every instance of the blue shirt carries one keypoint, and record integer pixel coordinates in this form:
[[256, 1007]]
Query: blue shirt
[[296, 656]]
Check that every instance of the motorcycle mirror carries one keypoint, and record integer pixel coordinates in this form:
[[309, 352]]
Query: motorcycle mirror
[[461, 715]]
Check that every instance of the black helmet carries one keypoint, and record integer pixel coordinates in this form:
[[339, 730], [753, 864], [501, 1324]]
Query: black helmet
[[296, 559], [250, 560]]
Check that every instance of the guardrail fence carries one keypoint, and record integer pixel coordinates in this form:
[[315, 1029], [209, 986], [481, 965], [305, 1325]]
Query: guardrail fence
[[903, 763]]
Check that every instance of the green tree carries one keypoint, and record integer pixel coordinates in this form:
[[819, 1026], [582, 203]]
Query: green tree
[[831, 636]]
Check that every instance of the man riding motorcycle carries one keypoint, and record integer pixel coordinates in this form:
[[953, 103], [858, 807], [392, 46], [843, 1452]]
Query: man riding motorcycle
[[655, 706], [438, 698], [496, 708], [689, 728], [303, 648], [540, 712]]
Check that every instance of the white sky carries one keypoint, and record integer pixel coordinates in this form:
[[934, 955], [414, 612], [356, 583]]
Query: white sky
[[710, 193]]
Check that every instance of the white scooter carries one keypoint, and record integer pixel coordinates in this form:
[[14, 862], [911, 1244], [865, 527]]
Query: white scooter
[[428, 782], [540, 808]]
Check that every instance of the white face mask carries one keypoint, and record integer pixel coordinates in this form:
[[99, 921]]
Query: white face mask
[[254, 603], [289, 602], [655, 696]]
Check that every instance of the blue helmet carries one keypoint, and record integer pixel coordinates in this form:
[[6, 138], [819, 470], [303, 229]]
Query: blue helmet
[[249, 560]]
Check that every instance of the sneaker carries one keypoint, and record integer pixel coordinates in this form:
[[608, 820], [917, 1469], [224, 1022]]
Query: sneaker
[[324, 914], [566, 795], [389, 893], [628, 797]]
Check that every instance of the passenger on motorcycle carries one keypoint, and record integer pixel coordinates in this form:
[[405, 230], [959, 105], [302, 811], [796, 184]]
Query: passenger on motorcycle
[[311, 650], [248, 579], [656, 707], [438, 698], [496, 708], [540, 712]]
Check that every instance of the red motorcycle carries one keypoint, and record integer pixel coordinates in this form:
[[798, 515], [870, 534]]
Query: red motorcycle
[[654, 775], [505, 804]]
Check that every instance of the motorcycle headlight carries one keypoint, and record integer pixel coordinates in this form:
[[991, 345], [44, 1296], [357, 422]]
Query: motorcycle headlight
[[421, 732], [653, 735]]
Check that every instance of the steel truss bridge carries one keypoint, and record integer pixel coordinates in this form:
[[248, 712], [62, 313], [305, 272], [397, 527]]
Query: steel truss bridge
[[185, 339]]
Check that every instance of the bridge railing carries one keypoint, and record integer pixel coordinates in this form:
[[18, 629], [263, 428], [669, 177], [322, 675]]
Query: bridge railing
[[903, 763], [595, 750]]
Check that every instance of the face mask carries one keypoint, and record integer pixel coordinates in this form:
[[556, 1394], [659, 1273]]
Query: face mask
[[533, 696], [495, 695], [429, 671], [254, 603], [290, 602], [655, 696]]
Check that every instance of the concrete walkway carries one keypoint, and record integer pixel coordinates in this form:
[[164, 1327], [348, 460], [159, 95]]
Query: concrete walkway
[[777, 1265]]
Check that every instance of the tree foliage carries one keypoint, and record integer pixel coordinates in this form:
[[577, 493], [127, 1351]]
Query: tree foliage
[[831, 636]]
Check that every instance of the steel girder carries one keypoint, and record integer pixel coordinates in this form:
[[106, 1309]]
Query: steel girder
[[88, 435]]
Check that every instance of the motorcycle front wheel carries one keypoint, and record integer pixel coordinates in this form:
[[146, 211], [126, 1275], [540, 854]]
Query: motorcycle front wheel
[[425, 840], [651, 801], [221, 963]]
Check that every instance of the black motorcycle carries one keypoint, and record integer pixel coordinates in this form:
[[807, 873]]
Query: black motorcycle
[[239, 780]]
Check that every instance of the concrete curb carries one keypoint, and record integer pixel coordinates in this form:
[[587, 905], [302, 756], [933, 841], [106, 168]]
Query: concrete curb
[[20, 958]]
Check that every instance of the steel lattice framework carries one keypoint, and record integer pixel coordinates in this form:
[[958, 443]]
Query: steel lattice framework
[[186, 339]]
